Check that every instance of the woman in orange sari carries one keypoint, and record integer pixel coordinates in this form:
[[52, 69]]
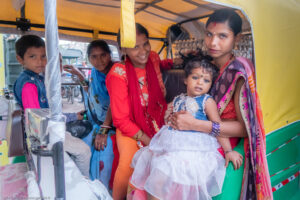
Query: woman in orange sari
[[137, 103]]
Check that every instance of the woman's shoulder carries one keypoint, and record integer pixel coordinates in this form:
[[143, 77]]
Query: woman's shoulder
[[246, 63], [153, 54], [154, 57], [117, 70]]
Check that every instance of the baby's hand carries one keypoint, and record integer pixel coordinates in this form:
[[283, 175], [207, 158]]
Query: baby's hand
[[235, 157]]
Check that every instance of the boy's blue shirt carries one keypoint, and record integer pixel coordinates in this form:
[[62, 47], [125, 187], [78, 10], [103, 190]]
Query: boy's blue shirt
[[28, 76]]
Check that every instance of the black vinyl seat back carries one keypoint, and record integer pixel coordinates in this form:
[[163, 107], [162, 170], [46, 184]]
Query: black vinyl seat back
[[15, 132], [174, 83]]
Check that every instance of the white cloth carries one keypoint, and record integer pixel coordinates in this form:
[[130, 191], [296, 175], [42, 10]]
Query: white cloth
[[179, 165], [32, 186], [79, 152]]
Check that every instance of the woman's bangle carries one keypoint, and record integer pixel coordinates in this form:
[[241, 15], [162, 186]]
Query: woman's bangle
[[215, 130], [103, 131]]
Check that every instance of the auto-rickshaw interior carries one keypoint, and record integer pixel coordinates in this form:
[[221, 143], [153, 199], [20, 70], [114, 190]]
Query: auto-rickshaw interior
[[176, 27]]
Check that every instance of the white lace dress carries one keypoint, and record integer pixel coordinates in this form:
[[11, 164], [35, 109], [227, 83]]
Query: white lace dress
[[181, 164]]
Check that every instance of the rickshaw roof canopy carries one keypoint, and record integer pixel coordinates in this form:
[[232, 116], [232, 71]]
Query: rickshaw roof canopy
[[104, 16], [275, 26]]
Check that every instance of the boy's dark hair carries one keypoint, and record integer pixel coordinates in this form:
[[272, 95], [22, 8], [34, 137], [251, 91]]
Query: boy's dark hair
[[227, 15], [98, 44], [201, 62], [27, 41], [140, 29]]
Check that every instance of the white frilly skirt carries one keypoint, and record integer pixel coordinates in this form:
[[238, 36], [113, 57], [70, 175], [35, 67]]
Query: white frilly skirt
[[179, 165]]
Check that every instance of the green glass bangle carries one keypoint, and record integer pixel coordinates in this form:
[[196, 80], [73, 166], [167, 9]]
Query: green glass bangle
[[103, 131]]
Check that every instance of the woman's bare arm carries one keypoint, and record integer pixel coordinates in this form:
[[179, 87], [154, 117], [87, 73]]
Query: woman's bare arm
[[213, 115], [108, 118], [73, 70]]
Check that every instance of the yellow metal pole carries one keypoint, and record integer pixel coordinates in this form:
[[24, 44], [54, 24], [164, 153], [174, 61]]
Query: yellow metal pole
[[127, 24]]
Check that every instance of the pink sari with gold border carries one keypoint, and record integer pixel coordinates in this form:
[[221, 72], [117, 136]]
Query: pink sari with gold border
[[256, 179]]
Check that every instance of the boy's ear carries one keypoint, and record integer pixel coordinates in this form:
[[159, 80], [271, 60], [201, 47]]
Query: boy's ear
[[20, 60], [184, 80]]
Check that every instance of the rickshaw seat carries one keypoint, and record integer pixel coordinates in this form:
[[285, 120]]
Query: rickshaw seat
[[174, 83], [15, 133]]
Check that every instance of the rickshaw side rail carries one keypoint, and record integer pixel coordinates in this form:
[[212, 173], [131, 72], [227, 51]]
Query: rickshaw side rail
[[283, 155]]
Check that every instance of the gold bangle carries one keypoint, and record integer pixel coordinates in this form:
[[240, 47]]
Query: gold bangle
[[103, 131]]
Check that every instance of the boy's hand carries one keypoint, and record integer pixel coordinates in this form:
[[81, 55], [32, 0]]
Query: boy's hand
[[71, 69], [235, 157]]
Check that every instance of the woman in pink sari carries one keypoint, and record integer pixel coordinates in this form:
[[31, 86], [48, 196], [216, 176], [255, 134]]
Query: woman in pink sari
[[238, 104]]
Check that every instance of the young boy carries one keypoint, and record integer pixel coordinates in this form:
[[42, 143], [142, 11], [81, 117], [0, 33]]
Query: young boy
[[30, 92]]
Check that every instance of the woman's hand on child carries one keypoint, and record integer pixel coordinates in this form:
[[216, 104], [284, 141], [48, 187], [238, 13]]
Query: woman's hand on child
[[182, 120], [100, 142], [145, 139], [235, 157]]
